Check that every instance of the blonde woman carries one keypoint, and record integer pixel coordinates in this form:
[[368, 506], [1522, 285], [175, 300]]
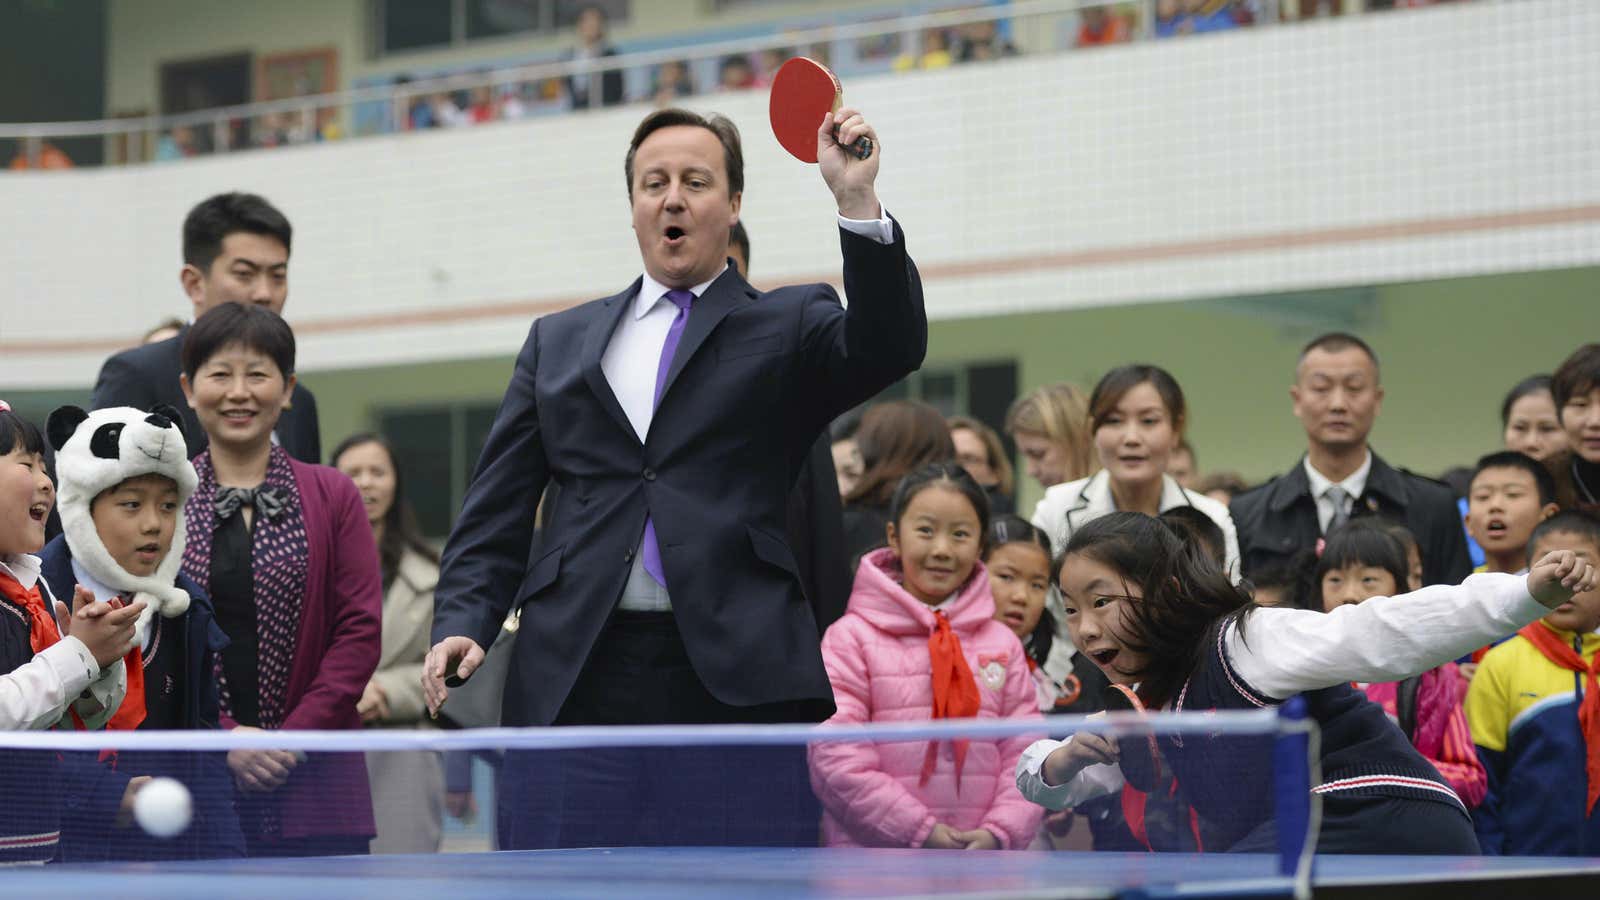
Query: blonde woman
[[1051, 428]]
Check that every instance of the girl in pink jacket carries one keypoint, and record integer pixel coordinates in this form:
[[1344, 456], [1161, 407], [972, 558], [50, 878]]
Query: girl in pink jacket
[[919, 641]]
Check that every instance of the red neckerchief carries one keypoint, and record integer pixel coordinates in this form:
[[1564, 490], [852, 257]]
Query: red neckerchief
[[1546, 641], [132, 711], [42, 629], [955, 694]]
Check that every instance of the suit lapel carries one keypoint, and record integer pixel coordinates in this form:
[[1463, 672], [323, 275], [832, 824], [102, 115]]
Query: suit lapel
[[594, 349], [726, 294]]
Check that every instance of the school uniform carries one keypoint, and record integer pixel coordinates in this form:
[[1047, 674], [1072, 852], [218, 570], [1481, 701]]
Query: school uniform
[[179, 692], [1065, 508], [47, 678], [1524, 709], [1378, 794]]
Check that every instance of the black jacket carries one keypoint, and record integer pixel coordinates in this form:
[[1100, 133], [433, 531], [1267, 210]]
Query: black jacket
[[755, 381], [610, 85], [816, 535], [147, 375], [1279, 519]]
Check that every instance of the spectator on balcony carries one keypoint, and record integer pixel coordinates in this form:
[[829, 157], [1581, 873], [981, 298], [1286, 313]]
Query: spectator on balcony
[[935, 53], [178, 143], [672, 81], [982, 41], [448, 112], [1180, 17], [768, 62], [597, 88], [514, 100], [735, 73], [1098, 25], [481, 106], [49, 157]]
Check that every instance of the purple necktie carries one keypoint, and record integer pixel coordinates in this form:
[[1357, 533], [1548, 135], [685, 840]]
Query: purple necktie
[[651, 551]]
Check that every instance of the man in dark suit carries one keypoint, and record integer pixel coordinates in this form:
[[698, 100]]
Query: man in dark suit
[[816, 513], [595, 89], [235, 250], [1337, 397], [675, 416]]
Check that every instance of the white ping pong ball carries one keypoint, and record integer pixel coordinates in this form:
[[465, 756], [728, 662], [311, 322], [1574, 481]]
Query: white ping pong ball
[[163, 808]]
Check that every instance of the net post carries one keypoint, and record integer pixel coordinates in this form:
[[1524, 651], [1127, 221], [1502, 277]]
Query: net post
[[1291, 775]]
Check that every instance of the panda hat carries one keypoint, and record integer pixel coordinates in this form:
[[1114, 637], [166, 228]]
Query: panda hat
[[96, 451]]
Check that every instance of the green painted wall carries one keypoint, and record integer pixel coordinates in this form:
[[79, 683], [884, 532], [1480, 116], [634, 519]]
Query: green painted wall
[[1449, 350]]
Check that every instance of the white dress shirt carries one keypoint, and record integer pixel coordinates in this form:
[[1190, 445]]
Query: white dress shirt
[[105, 595], [1353, 487], [631, 361], [35, 695], [1294, 650], [634, 353]]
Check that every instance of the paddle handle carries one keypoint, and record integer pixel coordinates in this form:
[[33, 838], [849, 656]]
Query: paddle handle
[[862, 148]]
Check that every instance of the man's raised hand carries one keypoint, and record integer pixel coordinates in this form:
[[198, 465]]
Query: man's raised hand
[[851, 179]]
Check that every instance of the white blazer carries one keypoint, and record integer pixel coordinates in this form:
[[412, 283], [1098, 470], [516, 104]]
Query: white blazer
[[1067, 507]]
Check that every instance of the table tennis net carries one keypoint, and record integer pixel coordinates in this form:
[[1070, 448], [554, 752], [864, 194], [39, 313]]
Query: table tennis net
[[79, 796]]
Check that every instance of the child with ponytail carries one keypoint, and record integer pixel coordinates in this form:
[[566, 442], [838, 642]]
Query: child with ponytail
[[1157, 615]]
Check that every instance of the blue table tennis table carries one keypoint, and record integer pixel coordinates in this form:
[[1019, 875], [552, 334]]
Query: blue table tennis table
[[683, 873]]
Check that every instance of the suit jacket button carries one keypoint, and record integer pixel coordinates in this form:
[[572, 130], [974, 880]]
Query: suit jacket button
[[627, 557], [649, 474]]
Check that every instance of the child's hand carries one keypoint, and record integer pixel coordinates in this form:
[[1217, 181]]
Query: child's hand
[[125, 809], [106, 630], [1554, 579], [978, 839], [943, 837], [1084, 750]]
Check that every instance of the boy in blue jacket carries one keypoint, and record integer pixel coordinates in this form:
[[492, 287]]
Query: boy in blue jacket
[[1534, 711], [124, 475]]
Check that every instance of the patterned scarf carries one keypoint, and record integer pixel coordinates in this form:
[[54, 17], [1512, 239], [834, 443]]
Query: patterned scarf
[[1556, 650], [279, 558], [955, 694]]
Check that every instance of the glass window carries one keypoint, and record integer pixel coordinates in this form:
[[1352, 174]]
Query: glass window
[[493, 18], [412, 24], [567, 11]]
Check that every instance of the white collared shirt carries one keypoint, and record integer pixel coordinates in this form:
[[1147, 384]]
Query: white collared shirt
[[1353, 486], [105, 595], [35, 695], [634, 352]]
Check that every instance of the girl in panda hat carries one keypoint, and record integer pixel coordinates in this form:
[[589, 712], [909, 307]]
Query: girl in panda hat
[[124, 475]]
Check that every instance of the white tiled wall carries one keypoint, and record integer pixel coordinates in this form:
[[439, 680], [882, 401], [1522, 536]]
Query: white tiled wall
[[1244, 162]]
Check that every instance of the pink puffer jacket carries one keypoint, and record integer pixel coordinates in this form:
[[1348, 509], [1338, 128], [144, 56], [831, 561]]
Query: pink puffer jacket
[[877, 659]]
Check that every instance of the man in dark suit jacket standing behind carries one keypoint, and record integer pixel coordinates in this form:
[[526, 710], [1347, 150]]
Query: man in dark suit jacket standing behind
[[1337, 396], [674, 416], [235, 250]]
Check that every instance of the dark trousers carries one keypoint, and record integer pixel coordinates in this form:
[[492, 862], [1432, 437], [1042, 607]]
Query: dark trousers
[[639, 674]]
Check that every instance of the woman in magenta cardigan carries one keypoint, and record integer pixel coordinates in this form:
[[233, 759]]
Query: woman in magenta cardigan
[[286, 553]]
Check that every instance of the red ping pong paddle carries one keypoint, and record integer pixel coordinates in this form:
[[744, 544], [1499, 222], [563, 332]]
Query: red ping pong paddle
[[802, 90], [1141, 769]]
